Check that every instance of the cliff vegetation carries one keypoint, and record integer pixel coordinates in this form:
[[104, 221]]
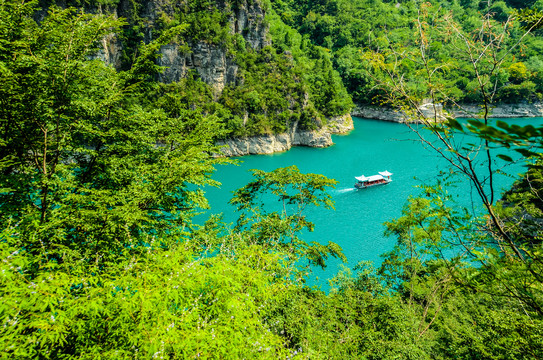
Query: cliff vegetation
[[233, 60], [351, 28]]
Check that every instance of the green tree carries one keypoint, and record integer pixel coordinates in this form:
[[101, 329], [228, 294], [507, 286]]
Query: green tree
[[518, 72], [86, 165], [279, 229], [505, 265]]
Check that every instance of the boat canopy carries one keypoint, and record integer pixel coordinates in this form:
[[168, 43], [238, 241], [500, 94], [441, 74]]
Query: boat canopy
[[385, 173], [369, 178]]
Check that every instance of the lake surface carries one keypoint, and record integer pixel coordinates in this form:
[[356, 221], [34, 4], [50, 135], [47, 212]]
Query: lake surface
[[357, 222]]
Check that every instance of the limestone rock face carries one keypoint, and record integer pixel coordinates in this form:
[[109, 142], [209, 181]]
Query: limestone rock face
[[268, 144], [428, 110], [502, 110], [247, 19], [111, 50], [466, 110], [340, 124], [431, 111], [378, 113], [320, 138], [264, 144], [211, 61]]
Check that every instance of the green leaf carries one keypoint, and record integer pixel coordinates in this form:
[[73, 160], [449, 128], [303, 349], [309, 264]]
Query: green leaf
[[502, 124], [453, 123], [505, 157]]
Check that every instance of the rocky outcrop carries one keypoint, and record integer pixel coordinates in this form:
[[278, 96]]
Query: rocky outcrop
[[313, 138], [465, 110], [268, 144], [378, 113], [501, 110], [263, 144], [110, 51], [212, 62], [340, 124], [432, 111], [247, 19], [428, 110]]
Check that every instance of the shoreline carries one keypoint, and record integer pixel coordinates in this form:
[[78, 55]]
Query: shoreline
[[499, 111], [275, 143]]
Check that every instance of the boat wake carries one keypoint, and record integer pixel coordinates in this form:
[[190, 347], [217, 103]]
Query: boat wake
[[343, 191]]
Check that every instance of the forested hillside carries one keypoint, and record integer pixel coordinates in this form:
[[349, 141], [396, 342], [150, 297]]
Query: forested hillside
[[106, 156], [348, 28], [222, 60]]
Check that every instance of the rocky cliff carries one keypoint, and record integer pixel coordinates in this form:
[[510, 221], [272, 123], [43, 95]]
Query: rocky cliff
[[466, 110], [268, 144], [427, 110], [255, 87], [211, 60], [501, 110]]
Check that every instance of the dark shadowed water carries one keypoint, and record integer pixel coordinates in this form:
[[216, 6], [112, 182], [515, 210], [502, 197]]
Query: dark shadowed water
[[357, 222]]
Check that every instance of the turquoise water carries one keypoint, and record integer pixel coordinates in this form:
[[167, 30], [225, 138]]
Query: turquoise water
[[356, 223]]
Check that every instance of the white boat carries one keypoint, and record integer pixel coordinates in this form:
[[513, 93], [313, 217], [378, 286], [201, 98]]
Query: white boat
[[368, 181]]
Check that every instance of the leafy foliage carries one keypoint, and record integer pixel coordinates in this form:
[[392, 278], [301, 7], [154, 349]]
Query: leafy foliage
[[155, 302], [102, 170], [278, 230], [84, 164], [287, 86], [349, 28]]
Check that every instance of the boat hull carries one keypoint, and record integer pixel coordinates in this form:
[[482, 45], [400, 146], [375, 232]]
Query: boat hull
[[365, 185]]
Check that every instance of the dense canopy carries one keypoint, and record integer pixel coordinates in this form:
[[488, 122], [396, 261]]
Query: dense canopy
[[103, 168]]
